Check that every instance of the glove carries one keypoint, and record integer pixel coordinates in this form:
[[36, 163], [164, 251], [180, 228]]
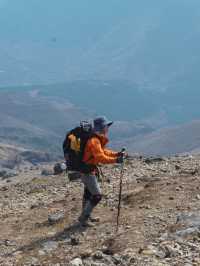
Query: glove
[[120, 159]]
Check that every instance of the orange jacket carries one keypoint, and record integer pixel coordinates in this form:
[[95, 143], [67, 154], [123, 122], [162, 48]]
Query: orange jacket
[[96, 153]]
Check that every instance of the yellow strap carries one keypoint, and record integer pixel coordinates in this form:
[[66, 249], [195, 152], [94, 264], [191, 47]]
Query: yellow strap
[[75, 143]]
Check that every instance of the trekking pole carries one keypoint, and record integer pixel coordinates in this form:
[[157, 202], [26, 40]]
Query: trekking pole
[[120, 189]]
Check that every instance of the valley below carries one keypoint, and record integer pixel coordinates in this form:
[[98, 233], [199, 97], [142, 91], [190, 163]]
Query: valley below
[[38, 119]]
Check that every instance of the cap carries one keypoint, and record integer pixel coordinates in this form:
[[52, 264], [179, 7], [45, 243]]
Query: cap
[[101, 122]]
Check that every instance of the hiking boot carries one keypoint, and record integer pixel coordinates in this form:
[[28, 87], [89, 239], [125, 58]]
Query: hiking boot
[[85, 223]]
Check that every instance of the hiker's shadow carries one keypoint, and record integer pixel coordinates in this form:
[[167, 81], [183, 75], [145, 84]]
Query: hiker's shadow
[[68, 232], [73, 230]]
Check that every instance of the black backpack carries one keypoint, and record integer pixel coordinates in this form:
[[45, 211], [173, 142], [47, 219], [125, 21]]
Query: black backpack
[[74, 147]]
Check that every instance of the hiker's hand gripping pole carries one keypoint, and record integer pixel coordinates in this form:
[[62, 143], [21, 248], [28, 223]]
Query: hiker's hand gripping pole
[[120, 187]]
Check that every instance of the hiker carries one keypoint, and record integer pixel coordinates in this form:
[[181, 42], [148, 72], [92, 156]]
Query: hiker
[[95, 153]]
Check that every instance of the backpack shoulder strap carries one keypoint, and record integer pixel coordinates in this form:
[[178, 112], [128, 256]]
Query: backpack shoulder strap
[[66, 143]]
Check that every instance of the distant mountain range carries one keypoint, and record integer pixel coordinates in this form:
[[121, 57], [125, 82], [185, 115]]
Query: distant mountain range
[[123, 100], [167, 141], [41, 122], [34, 121]]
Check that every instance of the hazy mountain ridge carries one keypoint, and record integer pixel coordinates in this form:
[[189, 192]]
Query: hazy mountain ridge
[[124, 100], [36, 122], [41, 122], [39, 119], [168, 141]]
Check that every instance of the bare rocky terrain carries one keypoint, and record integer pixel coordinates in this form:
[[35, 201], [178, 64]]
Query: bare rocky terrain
[[159, 222]]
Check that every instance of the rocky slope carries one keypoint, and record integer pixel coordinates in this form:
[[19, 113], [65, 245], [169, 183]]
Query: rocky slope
[[159, 222], [13, 158]]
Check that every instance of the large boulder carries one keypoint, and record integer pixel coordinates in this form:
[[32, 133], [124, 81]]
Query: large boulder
[[58, 169]]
